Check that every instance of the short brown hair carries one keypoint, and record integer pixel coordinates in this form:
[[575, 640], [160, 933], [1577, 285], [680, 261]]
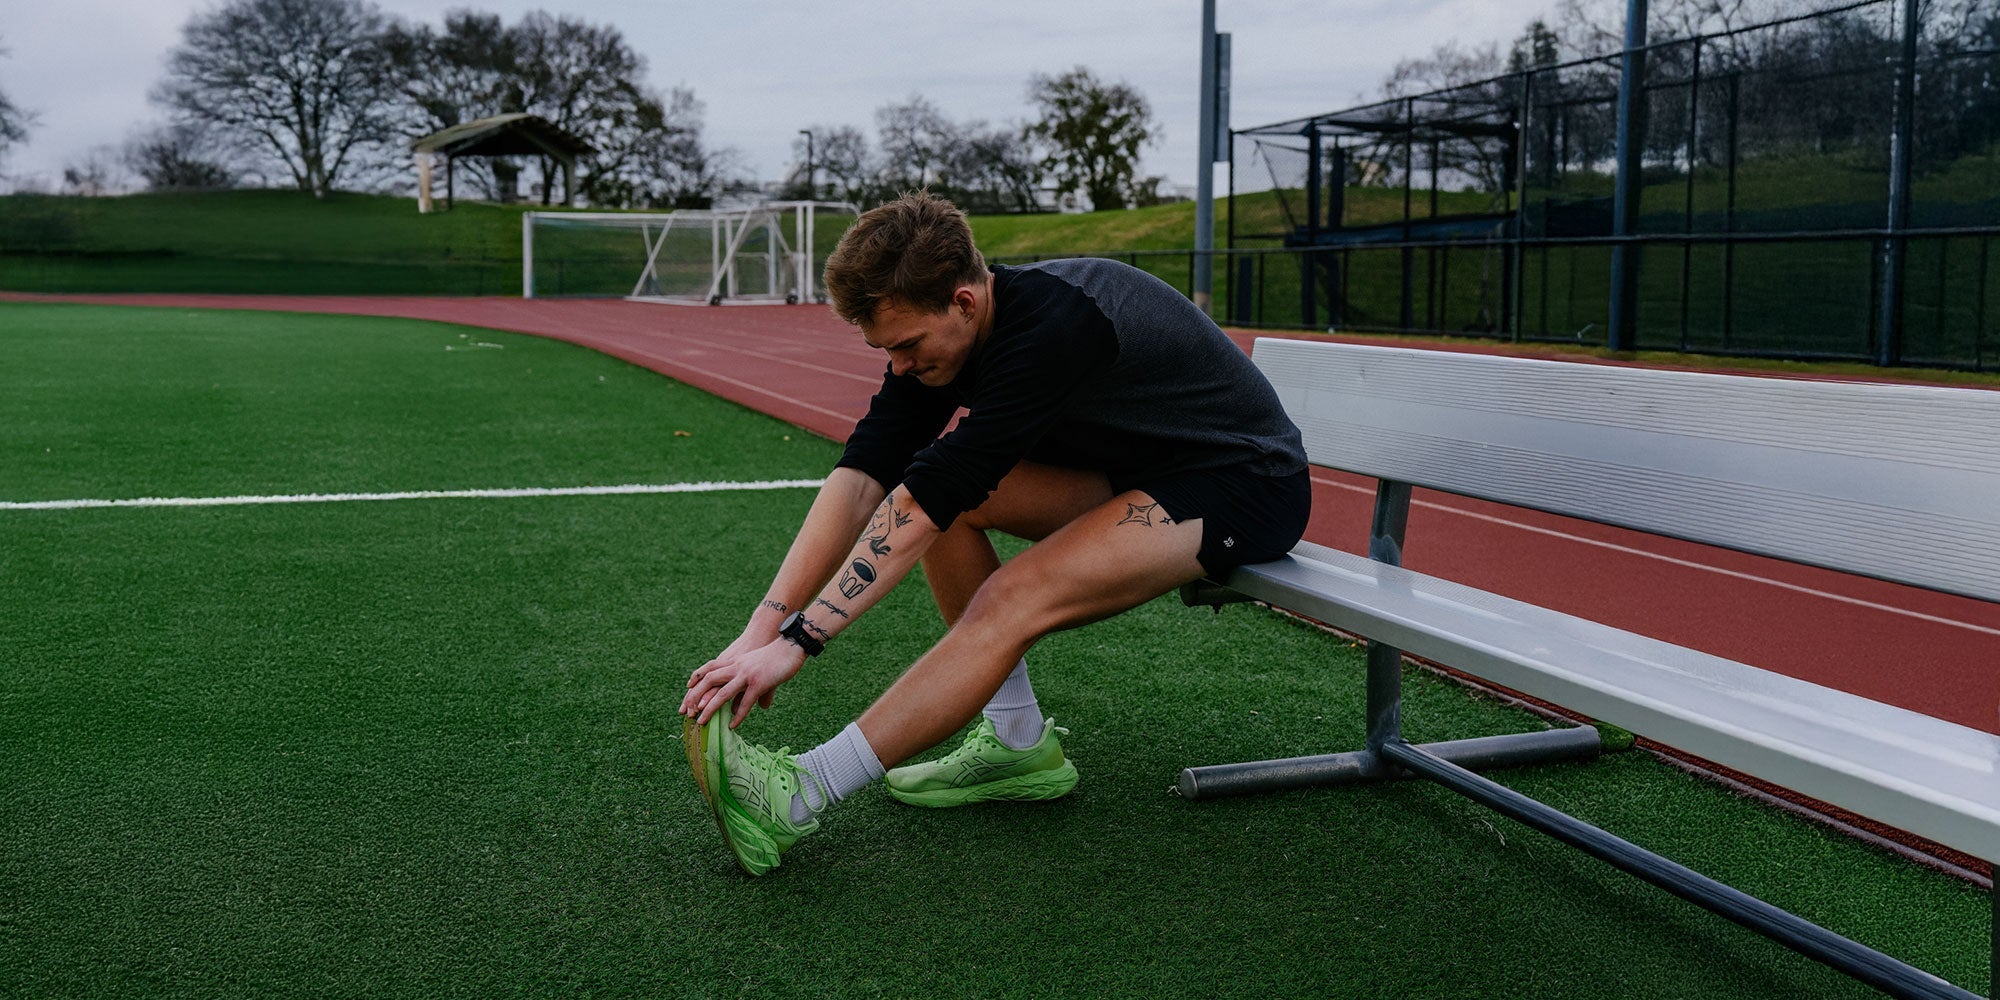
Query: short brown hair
[[917, 250]]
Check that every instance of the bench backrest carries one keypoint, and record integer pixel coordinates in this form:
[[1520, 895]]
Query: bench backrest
[[1891, 481]]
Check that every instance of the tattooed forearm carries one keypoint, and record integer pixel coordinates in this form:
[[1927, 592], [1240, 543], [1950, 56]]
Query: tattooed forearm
[[823, 634], [1146, 514], [824, 603], [879, 523], [778, 606], [856, 578]]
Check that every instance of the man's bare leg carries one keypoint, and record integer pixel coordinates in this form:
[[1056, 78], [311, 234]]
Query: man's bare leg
[[1117, 555], [1032, 502]]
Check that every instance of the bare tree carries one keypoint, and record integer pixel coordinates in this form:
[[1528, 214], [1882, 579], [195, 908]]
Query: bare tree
[[665, 164], [980, 168], [998, 169], [1447, 66], [14, 121], [585, 79], [917, 141], [304, 81], [95, 174], [179, 157], [1091, 132], [1456, 86], [462, 72], [447, 77], [842, 166], [1597, 27]]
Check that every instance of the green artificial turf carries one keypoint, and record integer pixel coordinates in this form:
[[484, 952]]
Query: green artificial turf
[[427, 747], [114, 402]]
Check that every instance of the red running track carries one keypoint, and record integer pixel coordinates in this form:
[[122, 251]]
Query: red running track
[[1929, 652]]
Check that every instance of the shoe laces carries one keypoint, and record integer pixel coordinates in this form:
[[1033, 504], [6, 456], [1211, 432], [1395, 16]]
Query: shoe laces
[[781, 762], [764, 760], [983, 738]]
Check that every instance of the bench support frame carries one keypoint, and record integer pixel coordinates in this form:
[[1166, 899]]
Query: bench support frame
[[1389, 757], [1385, 704]]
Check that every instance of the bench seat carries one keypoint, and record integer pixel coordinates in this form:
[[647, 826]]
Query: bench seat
[[1894, 482], [1840, 748]]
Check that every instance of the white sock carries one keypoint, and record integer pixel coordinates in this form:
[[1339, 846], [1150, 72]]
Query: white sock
[[839, 767], [1016, 716]]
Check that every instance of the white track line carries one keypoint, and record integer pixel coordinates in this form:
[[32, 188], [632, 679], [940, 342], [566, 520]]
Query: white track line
[[767, 355], [718, 376], [1628, 550], [557, 491]]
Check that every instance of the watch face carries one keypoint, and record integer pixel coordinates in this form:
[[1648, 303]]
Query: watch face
[[793, 630]]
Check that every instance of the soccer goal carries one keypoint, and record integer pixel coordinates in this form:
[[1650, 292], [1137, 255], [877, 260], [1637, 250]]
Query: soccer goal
[[764, 254]]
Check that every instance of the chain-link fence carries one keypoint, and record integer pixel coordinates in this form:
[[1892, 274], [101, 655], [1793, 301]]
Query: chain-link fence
[[1773, 216]]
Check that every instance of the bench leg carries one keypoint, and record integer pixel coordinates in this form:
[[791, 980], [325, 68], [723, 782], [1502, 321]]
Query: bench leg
[[1478, 754], [1888, 974], [1385, 727]]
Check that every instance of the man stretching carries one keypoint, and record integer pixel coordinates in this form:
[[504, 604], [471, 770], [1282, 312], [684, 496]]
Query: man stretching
[[1108, 420]]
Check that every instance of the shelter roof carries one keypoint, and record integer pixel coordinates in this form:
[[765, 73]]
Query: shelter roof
[[503, 135]]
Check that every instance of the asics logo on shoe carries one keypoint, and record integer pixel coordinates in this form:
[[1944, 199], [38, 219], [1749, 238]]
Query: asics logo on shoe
[[977, 768], [750, 793]]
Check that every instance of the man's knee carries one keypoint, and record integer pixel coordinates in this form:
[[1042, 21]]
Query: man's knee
[[1015, 600]]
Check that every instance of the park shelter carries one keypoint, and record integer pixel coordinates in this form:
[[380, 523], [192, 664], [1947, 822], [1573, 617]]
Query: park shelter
[[501, 135]]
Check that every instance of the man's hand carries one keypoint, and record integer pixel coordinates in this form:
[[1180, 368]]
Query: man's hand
[[747, 676]]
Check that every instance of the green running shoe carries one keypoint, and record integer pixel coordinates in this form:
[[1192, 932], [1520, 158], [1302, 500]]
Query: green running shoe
[[749, 791], [983, 769]]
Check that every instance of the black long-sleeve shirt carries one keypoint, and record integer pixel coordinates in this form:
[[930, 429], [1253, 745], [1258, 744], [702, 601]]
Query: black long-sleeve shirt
[[1090, 364]]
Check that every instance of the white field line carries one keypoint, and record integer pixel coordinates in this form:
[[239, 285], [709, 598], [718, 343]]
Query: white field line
[[493, 494], [1737, 574]]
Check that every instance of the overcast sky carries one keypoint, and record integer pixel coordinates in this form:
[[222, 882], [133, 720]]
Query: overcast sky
[[767, 69]]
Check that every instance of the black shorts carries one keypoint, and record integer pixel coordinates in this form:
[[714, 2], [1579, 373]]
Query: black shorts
[[1245, 518]]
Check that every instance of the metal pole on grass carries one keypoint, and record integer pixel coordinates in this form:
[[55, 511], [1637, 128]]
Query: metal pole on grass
[[812, 190], [1625, 205], [527, 255]]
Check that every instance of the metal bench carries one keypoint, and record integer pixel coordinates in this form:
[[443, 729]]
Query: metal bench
[[1896, 482]]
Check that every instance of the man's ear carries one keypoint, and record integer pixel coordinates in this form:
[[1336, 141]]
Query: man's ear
[[966, 300]]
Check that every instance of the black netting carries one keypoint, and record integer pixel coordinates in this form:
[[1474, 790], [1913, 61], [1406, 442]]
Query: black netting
[[1764, 214]]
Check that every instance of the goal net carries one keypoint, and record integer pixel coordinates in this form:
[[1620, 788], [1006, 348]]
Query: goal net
[[769, 253]]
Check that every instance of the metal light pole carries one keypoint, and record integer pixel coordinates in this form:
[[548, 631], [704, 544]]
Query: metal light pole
[[1895, 248], [1623, 335], [812, 188], [1204, 198]]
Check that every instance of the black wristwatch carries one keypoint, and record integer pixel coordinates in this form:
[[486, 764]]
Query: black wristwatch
[[793, 630]]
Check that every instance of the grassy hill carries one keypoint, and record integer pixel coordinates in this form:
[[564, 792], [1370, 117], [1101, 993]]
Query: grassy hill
[[274, 241], [1748, 300], [257, 241], [286, 241]]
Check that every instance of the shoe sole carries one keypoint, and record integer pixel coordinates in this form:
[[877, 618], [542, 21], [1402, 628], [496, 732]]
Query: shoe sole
[[1040, 786], [755, 851]]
